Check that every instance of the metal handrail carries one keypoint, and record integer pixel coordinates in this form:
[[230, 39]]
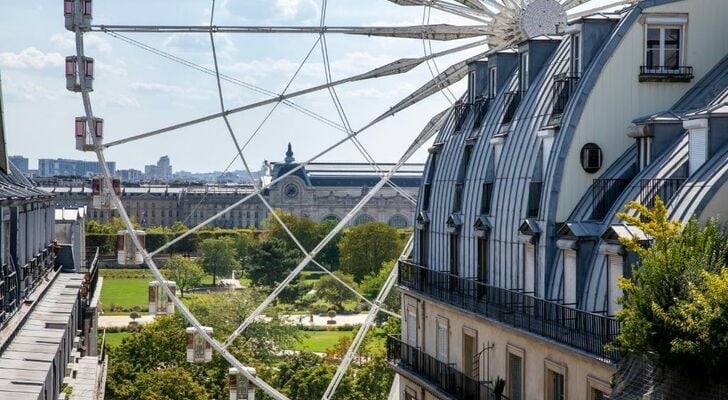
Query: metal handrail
[[605, 193], [442, 375], [682, 71], [582, 330]]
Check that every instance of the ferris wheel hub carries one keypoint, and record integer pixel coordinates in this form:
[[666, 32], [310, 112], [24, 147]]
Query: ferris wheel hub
[[542, 17]]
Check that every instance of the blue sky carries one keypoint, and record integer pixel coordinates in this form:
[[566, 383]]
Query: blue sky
[[136, 91]]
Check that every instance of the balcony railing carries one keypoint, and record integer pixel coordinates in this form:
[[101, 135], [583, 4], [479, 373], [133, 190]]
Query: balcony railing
[[579, 329], [444, 376], [665, 188], [510, 105], [564, 85], [461, 115], [482, 104], [654, 73], [604, 193]]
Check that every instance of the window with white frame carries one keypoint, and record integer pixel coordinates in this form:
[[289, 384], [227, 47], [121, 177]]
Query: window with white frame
[[492, 84], [524, 71], [514, 373], [442, 340], [554, 381], [664, 43], [576, 54]]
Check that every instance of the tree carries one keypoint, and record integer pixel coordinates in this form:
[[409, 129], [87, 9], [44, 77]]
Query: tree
[[675, 304], [185, 272], [329, 255], [219, 257], [270, 261], [365, 247], [169, 384], [186, 245], [333, 291], [304, 229]]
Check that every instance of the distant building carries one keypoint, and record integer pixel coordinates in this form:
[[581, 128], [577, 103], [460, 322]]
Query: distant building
[[160, 172], [21, 163], [320, 191], [64, 167], [130, 175]]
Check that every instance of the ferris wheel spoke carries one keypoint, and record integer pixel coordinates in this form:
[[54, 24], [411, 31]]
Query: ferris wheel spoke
[[596, 9], [397, 67], [435, 32]]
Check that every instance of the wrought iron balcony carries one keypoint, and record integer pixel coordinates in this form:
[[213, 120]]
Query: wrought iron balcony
[[575, 328], [461, 115], [482, 104], [564, 85], [510, 105], [661, 73], [604, 193], [665, 188], [441, 375]]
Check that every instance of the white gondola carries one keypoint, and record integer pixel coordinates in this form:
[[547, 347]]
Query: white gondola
[[73, 80], [240, 387], [159, 303], [82, 18], [103, 195], [198, 349], [84, 138], [127, 252]]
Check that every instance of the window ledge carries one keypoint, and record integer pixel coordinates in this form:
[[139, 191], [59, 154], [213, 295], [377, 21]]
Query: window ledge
[[666, 77]]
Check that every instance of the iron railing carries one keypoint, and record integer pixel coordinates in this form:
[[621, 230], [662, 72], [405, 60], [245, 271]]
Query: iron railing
[[481, 109], [564, 85], [665, 188], [461, 115], [510, 105], [442, 375], [604, 193], [685, 72], [582, 330]]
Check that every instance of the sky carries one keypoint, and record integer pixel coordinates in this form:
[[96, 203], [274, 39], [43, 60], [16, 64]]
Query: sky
[[136, 91]]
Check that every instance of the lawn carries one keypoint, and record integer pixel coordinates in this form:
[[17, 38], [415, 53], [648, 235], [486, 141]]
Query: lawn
[[320, 341], [114, 339], [125, 293]]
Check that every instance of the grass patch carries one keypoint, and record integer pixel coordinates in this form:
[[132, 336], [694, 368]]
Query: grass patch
[[124, 293], [319, 341], [114, 339]]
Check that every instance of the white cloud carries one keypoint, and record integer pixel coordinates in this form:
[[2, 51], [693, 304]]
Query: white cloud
[[291, 8], [31, 58], [26, 90], [120, 100], [67, 40], [148, 87]]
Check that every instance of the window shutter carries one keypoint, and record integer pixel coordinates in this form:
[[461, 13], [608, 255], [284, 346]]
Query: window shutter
[[442, 342], [569, 277], [529, 263], [515, 384], [412, 328], [697, 148], [615, 268]]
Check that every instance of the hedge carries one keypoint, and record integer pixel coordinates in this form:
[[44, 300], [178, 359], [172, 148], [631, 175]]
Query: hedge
[[154, 240]]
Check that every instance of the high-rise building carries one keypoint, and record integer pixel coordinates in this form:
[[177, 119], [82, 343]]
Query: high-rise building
[[21, 163], [64, 167], [162, 171]]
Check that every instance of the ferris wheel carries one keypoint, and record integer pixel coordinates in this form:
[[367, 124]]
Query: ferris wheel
[[492, 25]]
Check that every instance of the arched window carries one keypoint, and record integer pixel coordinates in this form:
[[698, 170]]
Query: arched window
[[398, 221], [362, 219]]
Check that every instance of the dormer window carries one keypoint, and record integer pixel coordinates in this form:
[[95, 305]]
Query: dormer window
[[576, 54], [524, 72], [492, 87], [665, 50]]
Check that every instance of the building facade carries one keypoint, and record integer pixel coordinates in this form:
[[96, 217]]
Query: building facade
[[21, 163], [48, 167], [516, 258], [320, 191]]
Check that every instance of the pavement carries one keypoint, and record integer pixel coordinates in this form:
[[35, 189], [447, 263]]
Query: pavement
[[121, 321]]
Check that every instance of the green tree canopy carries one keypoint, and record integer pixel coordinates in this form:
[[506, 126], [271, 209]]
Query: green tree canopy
[[185, 272], [169, 384], [219, 257], [365, 247], [333, 291], [303, 228], [270, 261], [675, 304]]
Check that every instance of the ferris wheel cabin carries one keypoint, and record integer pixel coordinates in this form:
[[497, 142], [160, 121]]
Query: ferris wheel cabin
[[240, 387], [127, 252], [198, 349], [103, 195], [81, 16], [73, 79], [84, 137], [159, 303]]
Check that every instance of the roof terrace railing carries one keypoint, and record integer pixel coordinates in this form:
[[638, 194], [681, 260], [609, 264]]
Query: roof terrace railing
[[561, 323], [665, 188], [482, 104], [661, 73], [510, 105], [441, 375], [564, 85], [605, 193], [461, 115]]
